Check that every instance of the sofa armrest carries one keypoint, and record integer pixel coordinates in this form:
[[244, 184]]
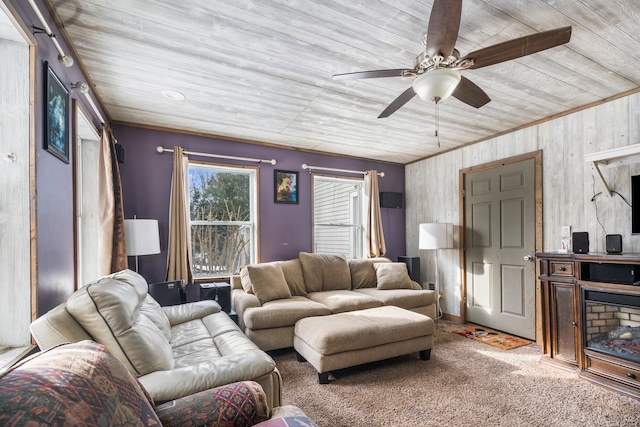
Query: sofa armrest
[[236, 282], [57, 327], [190, 311], [241, 403], [416, 286], [240, 302]]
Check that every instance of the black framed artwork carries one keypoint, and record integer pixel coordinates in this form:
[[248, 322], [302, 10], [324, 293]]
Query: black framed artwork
[[285, 186], [56, 113]]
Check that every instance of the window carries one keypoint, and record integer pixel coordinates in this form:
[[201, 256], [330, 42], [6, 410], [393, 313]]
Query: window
[[223, 219], [338, 206], [87, 194]]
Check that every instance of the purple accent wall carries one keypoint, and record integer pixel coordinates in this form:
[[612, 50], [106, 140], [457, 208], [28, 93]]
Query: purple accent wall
[[54, 202], [285, 229]]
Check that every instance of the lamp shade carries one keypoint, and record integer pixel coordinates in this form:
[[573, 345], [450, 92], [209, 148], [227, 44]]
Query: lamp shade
[[436, 236], [142, 236], [436, 84]]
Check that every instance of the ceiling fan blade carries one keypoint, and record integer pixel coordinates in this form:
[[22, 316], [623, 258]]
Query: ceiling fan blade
[[444, 24], [519, 47], [404, 97], [398, 72], [470, 93]]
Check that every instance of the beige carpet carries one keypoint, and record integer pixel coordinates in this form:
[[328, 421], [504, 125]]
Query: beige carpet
[[466, 383]]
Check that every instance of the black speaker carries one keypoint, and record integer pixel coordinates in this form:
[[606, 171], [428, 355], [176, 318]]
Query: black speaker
[[413, 267], [119, 152], [390, 199], [614, 243], [168, 293], [219, 292], [224, 296], [580, 241]]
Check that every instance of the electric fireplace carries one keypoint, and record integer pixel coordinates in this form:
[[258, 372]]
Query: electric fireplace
[[611, 323], [591, 316]]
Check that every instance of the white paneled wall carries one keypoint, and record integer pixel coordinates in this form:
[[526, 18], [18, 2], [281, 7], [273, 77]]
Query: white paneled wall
[[15, 258], [432, 185]]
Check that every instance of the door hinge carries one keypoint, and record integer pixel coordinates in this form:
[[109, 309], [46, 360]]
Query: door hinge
[[464, 193]]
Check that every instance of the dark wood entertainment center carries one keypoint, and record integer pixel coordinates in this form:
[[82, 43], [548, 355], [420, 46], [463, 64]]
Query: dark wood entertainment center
[[591, 316]]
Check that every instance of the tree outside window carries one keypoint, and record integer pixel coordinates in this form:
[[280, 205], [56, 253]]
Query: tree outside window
[[222, 204]]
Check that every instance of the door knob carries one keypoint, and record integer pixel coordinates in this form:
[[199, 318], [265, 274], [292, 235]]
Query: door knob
[[528, 258]]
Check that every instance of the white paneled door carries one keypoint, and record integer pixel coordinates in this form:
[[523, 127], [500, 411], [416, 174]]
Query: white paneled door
[[500, 244]]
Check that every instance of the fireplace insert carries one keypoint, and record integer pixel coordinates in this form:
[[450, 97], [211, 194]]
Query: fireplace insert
[[611, 323]]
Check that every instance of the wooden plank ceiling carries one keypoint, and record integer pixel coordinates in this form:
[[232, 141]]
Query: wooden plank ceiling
[[261, 70]]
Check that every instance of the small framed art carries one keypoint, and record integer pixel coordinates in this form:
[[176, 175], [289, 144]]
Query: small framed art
[[285, 187], [56, 113]]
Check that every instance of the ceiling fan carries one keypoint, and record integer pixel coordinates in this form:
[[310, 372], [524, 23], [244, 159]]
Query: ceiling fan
[[437, 68]]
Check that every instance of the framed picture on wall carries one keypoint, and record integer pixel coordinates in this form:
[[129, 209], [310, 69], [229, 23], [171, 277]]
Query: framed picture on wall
[[285, 187], [56, 114]]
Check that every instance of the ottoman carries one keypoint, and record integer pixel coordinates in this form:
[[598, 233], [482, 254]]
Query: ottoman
[[353, 338]]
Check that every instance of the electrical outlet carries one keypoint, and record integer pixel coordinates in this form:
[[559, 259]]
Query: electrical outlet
[[566, 231]]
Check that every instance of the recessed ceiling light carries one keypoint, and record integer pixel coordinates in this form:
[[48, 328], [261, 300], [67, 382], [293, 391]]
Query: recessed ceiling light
[[173, 95]]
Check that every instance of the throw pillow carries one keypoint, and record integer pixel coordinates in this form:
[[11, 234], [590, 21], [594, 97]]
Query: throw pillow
[[363, 275], [325, 272], [268, 282], [245, 280], [392, 275], [293, 275]]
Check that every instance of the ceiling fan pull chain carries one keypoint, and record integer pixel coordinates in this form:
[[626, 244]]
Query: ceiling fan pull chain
[[437, 120]]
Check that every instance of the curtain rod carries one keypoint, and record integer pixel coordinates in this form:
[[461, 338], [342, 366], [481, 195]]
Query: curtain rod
[[306, 166], [95, 109], [161, 149], [63, 58]]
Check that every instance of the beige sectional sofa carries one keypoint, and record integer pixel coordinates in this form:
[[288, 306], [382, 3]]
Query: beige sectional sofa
[[271, 297], [174, 351]]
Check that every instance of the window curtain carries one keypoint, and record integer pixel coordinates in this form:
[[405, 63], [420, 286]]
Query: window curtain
[[374, 238], [111, 246], [179, 252]]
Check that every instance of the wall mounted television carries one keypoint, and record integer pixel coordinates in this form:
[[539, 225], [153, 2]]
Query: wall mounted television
[[635, 204]]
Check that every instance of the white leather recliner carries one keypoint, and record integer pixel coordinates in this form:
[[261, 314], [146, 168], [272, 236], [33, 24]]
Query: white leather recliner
[[174, 351]]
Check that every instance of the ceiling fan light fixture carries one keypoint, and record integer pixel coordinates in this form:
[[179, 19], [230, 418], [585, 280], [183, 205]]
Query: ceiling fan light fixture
[[436, 84]]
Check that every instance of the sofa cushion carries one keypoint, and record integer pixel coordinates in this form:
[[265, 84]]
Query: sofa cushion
[[117, 312], [392, 275], [285, 312], [325, 272], [268, 282], [403, 298], [363, 275], [292, 270], [78, 384], [341, 301]]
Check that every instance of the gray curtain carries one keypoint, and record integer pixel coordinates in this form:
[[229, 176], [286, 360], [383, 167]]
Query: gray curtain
[[374, 237], [179, 259]]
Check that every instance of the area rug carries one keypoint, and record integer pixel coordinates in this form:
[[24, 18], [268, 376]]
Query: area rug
[[491, 337]]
